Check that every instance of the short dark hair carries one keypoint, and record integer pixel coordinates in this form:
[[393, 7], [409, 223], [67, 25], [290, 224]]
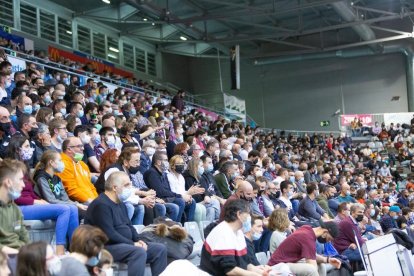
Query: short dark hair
[[331, 226], [253, 153], [80, 129], [88, 240], [284, 185], [311, 187], [232, 207], [103, 131]]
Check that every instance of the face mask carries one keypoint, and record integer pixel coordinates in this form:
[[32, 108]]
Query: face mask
[[94, 260], [272, 167], [200, 170], [152, 136], [290, 194], [150, 151], [54, 266], [108, 272], [210, 168], [78, 157], [5, 127], [171, 117], [97, 140], [201, 153], [8, 83], [13, 195], [322, 239], [110, 141], [26, 154], [80, 113], [182, 121], [27, 109], [256, 236], [47, 100], [165, 166], [59, 139], [60, 167], [359, 218], [259, 173], [247, 224], [36, 107], [255, 161], [126, 193], [372, 212], [217, 152], [348, 193], [133, 170], [275, 195], [63, 111], [60, 97], [316, 193], [133, 112], [292, 179], [179, 168]]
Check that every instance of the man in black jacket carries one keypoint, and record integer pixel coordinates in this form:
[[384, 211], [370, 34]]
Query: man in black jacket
[[156, 179], [109, 213]]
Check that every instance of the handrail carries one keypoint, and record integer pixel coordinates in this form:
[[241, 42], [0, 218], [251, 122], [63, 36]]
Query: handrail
[[268, 130], [71, 71]]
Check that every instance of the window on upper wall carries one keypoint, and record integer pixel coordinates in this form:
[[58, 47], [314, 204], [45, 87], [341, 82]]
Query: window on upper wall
[[6, 13], [47, 25], [140, 60], [128, 56], [99, 45], [28, 19], [84, 39], [113, 49], [152, 70], [65, 32]]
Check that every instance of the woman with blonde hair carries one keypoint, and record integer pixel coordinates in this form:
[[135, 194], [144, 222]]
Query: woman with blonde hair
[[278, 223], [177, 185]]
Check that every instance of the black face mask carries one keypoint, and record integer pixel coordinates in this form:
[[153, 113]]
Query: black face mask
[[133, 170], [260, 192], [255, 161], [179, 168], [5, 127], [76, 83], [322, 239], [274, 195], [33, 133], [359, 218]]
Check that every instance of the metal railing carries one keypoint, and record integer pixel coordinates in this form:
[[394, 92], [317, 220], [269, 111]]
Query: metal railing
[[189, 100]]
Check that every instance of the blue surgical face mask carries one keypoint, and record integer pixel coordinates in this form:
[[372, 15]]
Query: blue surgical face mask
[[292, 179], [210, 167], [126, 193], [200, 170], [27, 109], [97, 140], [63, 111], [94, 260], [13, 195], [80, 113], [247, 224], [256, 236]]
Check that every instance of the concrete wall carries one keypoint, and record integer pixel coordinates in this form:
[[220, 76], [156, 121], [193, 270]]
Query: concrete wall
[[301, 94]]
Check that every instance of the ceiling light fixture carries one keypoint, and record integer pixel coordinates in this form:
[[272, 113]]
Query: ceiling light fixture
[[69, 32], [107, 1], [112, 56], [183, 38], [153, 24], [113, 49], [145, 19]]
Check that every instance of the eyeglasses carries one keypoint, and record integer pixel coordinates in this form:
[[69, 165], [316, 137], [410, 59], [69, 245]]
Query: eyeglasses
[[77, 146]]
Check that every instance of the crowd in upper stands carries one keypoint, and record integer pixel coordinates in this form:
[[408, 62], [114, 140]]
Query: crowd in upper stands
[[98, 162]]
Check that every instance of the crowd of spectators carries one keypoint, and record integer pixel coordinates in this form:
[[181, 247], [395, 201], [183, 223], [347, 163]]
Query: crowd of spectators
[[98, 162]]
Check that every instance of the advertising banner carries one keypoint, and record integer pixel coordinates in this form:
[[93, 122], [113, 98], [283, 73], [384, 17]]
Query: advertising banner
[[99, 65], [235, 108], [17, 64], [398, 118], [366, 119]]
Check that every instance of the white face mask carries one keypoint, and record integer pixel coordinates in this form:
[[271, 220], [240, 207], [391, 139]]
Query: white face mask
[[108, 271]]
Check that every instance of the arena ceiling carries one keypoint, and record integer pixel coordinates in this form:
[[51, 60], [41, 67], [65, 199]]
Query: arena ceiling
[[262, 28]]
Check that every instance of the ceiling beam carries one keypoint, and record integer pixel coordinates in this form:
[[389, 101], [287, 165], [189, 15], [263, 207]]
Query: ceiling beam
[[252, 13], [290, 44], [246, 37], [374, 10]]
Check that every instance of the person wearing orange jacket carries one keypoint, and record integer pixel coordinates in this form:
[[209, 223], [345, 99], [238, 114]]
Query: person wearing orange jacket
[[76, 177]]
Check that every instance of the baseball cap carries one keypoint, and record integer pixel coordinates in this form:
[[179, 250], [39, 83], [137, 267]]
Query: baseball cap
[[395, 208], [331, 226]]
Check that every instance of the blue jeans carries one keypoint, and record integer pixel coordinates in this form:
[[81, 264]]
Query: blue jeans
[[352, 254], [135, 213], [172, 211], [190, 210], [65, 215], [212, 210]]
